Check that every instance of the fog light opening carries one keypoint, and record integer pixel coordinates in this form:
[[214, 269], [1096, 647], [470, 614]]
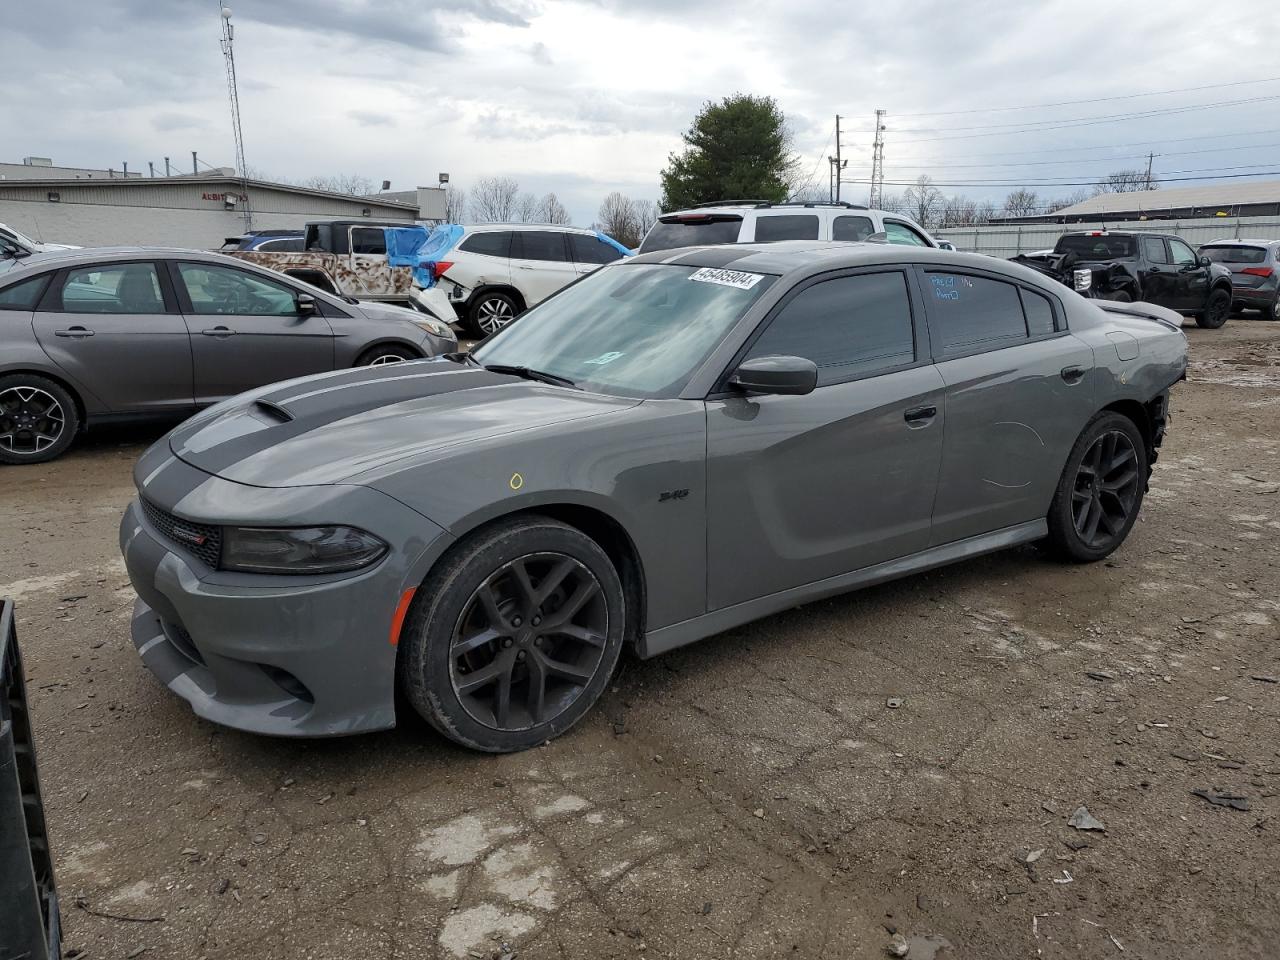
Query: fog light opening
[[287, 682]]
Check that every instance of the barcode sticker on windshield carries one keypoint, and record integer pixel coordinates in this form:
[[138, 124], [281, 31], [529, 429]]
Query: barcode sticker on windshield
[[727, 278]]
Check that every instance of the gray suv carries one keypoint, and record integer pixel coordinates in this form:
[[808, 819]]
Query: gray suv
[[1254, 281], [99, 334]]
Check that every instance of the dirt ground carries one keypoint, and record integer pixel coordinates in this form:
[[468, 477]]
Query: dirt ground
[[751, 796]]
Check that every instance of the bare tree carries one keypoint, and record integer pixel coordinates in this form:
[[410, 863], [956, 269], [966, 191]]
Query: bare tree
[[618, 218], [1127, 181], [958, 211], [923, 201], [984, 212], [494, 200], [646, 216], [1021, 203], [551, 210], [1070, 200], [352, 184], [526, 208], [455, 204]]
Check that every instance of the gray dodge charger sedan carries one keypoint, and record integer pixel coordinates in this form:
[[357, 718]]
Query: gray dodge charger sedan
[[121, 333], [673, 446]]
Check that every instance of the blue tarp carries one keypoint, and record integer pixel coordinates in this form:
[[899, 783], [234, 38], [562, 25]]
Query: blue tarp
[[428, 249]]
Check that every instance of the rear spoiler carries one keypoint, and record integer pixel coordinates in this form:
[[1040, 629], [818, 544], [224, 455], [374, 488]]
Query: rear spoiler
[[1147, 311]]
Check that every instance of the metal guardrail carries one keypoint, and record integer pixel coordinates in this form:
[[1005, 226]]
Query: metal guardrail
[[1008, 240], [30, 926]]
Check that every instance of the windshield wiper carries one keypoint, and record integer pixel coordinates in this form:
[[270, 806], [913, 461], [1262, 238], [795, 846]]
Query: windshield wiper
[[531, 374], [462, 356]]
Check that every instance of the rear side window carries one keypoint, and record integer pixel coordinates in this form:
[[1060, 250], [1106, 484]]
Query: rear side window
[[1153, 250], [671, 232], [545, 245], [1039, 313], [494, 243], [852, 228], [122, 288], [1235, 254], [370, 240], [849, 326], [23, 296], [592, 249], [283, 245], [968, 313], [787, 227], [900, 233]]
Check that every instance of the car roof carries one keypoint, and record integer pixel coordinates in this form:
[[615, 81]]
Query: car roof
[[564, 227], [1239, 242]]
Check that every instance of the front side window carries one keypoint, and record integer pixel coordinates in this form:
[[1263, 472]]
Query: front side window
[[638, 330], [1182, 254], [492, 243], [371, 240], [588, 249], [546, 245], [223, 291], [852, 228], [787, 227], [1153, 250], [968, 313], [120, 288], [849, 326], [23, 296], [900, 233]]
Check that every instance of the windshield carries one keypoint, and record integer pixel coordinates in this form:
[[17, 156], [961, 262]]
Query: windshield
[[637, 330], [690, 230], [1235, 254], [6, 230], [1096, 248]]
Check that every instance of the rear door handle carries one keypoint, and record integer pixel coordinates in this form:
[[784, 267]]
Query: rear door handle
[[1073, 374], [75, 333], [220, 332], [920, 414]]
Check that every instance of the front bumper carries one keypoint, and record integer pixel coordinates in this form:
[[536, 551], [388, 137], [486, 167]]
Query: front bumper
[[436, 302], [286, 656]]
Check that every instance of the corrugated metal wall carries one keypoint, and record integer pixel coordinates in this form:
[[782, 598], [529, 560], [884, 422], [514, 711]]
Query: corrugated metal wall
[[1009, 241]]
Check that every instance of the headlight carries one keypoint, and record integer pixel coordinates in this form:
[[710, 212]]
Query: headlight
[[298, 549], [432, 325], [1082, 280]]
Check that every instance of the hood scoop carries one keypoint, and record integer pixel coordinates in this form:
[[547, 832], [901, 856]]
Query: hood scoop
[[274, 410]]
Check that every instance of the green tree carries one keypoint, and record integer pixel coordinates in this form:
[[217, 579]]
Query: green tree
[[738, 149]]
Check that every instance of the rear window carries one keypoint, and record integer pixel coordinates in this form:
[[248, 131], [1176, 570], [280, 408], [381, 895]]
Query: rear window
[[283, 245], [1235, 254], [852, 228], [968, 313], [496, 243], [544, 245], [1096, 248], [787, 227], [672, 232]]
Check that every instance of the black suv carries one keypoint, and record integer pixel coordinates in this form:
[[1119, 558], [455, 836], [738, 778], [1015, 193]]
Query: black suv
[[1151, 267]]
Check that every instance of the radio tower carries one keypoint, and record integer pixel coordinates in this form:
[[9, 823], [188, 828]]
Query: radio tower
[[228, 54], [877, 164]]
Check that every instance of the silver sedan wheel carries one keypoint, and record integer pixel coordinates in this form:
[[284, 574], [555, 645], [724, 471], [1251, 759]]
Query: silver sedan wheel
[[383, 359], [494, 314], [31, 420]]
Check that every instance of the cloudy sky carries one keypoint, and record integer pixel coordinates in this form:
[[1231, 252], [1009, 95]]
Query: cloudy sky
[[587, 96]]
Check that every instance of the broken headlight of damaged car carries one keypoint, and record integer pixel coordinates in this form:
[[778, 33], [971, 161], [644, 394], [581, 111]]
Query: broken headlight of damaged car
[[298, 550], [1082, 279]]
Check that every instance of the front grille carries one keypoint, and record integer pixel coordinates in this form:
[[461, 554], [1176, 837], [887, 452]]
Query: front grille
[[201, 539]]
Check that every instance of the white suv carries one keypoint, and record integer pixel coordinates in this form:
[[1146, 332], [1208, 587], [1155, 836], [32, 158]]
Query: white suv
[[750, 221], [488, 274]]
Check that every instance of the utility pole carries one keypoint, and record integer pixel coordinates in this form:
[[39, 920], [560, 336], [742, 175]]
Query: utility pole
[[1150, 159], [877, 164], [228, 53], [152, 167], [195, 169], [167, 172], [839, 166]]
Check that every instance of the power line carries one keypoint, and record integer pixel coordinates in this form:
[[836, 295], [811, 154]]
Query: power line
[[942, 165], [1116, 146], [1072, 103], [1065, 183]]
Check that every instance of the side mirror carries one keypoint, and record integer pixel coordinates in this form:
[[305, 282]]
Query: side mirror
[[783, 375], [306, 305], [1205, 261]]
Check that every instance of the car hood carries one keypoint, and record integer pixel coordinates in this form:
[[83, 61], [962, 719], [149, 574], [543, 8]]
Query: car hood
[[327, 429]]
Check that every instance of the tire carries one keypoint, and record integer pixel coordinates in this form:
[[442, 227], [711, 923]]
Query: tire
[[491, 311], [1109, 438], [1216, 310], [386, 353], [1272, 311], [38, 419], [471, 631]]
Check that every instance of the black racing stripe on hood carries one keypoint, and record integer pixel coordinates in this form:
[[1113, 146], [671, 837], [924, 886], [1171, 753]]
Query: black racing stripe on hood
[[314, 403], [714, 257]]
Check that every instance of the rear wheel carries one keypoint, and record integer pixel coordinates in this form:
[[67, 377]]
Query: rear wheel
[[514, 636], [1216, 310], [1272, 310], [491, 312], [38, 419], [1100, 491], [387, 353]]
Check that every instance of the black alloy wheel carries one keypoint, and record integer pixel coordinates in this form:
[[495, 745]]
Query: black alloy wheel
[[1106, 489], [1216, 310], [38, 419], [528, 641]]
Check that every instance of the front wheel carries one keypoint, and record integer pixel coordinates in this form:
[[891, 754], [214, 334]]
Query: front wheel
[[1215, 311], [387, 353], [515, 635], [1100, 491], [38, 419], [491, 312]]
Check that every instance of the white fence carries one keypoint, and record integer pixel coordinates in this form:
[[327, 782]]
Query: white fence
[[1008, 240]]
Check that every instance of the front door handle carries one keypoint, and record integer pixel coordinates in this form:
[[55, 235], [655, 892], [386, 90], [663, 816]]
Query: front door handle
[[220, 332], [1073, 374], [75, 333], [920, 414]]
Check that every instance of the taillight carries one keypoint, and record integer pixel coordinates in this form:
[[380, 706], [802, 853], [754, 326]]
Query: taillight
[[1258, 271], [439, 267]]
